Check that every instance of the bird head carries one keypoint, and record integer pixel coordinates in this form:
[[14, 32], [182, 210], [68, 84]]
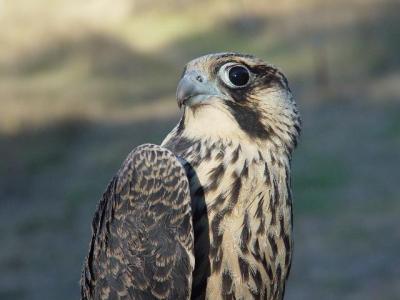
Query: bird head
[[237, 96]]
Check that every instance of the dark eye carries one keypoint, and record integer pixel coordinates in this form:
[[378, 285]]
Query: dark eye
[[235, 75], [238, 76]]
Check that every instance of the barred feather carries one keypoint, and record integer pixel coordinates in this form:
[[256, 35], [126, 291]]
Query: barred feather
[[227, 172]]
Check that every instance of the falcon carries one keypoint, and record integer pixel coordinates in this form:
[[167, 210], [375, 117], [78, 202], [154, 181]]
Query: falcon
[[208, 213]]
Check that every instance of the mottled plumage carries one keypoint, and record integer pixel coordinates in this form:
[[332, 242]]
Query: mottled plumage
[[142, 244], [238, 130]]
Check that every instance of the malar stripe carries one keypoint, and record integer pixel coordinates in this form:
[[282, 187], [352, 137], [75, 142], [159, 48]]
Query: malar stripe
[[249, 120]]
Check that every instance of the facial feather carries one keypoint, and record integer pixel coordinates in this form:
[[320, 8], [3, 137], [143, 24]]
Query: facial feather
[[261, 110], [230, 206], [238, 139]]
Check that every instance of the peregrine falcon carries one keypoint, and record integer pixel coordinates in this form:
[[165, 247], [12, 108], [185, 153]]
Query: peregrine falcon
[[208, 214]]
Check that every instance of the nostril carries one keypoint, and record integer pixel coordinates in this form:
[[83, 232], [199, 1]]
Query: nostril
[[199, 78]]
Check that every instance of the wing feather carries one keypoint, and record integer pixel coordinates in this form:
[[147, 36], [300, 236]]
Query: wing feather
[[142, 243]]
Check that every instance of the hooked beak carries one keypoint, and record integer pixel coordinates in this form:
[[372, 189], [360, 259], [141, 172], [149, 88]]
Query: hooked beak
[[194, 89]]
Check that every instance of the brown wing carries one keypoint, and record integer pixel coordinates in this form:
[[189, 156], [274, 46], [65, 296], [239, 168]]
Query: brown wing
[[142, 243]]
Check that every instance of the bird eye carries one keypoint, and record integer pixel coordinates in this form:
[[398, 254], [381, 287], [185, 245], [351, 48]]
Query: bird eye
[[234, 75], [239, 76]]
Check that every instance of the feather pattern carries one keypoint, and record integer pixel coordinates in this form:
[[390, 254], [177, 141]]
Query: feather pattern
[[239, 151], [217, 192], [142, 244], [246, 218]]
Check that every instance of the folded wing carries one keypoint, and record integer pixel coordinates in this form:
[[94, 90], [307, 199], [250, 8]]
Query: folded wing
[[142, 243]]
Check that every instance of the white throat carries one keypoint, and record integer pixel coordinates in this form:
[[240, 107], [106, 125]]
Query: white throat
[[213, 122]]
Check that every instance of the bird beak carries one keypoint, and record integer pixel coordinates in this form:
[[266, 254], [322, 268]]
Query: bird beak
[[194, 89]]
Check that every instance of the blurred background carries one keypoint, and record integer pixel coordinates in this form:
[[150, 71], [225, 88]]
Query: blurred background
[[84, 82]]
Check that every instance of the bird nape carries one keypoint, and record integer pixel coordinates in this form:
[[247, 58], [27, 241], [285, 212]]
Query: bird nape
[[208, 214]]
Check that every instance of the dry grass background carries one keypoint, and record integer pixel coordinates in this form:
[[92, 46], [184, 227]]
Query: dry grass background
[[83, 82]]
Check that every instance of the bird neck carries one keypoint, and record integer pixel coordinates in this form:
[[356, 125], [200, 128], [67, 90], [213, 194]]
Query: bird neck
[[215, 124], [211, 122]]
